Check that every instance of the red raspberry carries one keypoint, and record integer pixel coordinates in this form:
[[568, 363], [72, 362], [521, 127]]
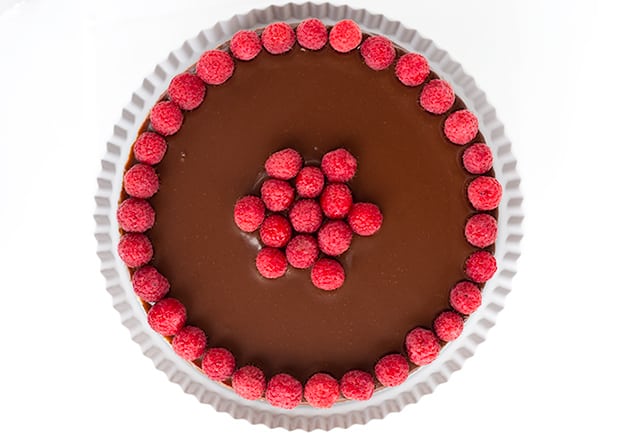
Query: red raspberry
[[141, 181], [135, 215], [248, 382], [248, 213], [448, 325], [306, 216], [480, 266], [365, 219], [310, 182], [481, 230], [189, 343], [422, 346], [284, 391], [412, 69], [275, 231], [461, 127], [302, 251], [245, 45], [312, 34], [277, 194], [167, 316], [465, 297], [477, 158], [284, 164], [278, 38], [149, 148], [327, 274], [334, 238], [271, 263], [187, 90], [392, 370], [437, 96], [166, 118], [484, 193], [357, 385], [345, 36], [149, 284], [135, 249], [218, 363], [378, 52], [321, 390], [336, 200], [215, 67], [339, 165]]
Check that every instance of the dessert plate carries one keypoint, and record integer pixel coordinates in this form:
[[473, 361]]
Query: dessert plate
[[344, 413]]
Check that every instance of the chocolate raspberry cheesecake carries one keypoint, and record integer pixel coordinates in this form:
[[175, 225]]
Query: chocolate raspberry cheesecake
[[308, 214]]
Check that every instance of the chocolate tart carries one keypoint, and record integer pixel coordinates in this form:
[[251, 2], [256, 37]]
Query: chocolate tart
[[313, 101]]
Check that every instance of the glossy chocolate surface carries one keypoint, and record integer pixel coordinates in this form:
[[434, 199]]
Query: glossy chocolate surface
[[395, 280]]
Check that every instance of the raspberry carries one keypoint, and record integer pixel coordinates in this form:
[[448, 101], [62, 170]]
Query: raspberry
[[357, 385], [465, 297], [284, 391], [218, 363], [189, 343], [480, 266], [412, 69], [327, 274], [248, 213], [284, 164], [215, 67], [278, 38], [336, 200], [167, 316], [321, 390], [334, 238], [277, 194], [306, 216], [477, 158], [141, 181], [302, 251], [245, 45], [422, 346], [248, 382], [461, 127], [135, 249], [392, 370], [437, 96], [481, 230], [345, 36], [149, 284], [448, 325], [378, 52], [275, 231], [310, 182], [135, 215], [271, 263], [484, 193], [166, 118], [149, 148], [312, 34], [365, 219], [339, 165], [187, 90]]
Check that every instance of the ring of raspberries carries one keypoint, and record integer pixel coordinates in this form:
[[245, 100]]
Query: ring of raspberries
[[305, 215]]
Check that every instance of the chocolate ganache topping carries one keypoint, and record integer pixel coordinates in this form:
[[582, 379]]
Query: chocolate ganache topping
[[400, 278]]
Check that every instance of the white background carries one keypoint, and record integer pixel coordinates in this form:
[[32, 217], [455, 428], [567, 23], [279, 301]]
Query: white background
[[563, 76]]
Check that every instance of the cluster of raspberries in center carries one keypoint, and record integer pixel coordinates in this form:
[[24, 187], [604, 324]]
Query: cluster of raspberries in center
[[306, 216]]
